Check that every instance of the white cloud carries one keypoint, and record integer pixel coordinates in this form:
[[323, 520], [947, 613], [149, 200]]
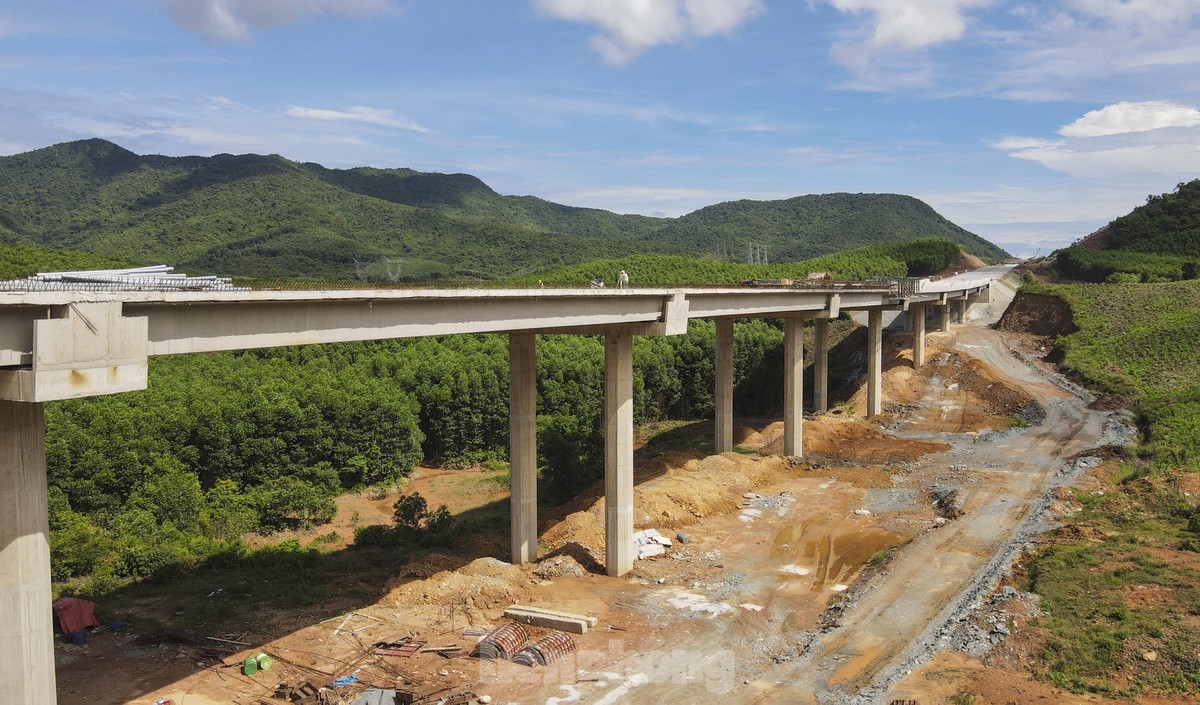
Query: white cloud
[[1104, 158], [1151, 138], [896, 28], [911, 24], [628, 27], [825, 155], [658, 200], [372, 116], [1139, 14], [236, 19], [1122, 118]]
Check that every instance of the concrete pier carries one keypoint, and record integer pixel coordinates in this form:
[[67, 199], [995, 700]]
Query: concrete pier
[[26, 627], [60, 344], [944, 317], [874, 362], [917, 313], [821, 365], [793, 386], [618, 453], [723, 395], [522, 444]]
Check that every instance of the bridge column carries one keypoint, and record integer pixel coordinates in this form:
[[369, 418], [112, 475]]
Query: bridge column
[[821, 366], [522, 444], [917, 313], [874, 362], [618, 453], [26, 626], [944, 317], [793, 386], [723, 396]]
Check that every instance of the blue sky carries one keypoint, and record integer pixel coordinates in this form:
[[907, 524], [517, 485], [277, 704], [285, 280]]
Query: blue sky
[[1030, 123]]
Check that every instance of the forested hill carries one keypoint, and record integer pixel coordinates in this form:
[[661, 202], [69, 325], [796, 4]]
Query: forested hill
[[1168, 224], [810, 226], [266, 216], [1158, 241]]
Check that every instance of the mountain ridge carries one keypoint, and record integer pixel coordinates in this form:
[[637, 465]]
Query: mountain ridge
[[266, 215]]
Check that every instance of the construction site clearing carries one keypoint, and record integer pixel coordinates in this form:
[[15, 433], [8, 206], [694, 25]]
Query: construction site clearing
[[871, 570]]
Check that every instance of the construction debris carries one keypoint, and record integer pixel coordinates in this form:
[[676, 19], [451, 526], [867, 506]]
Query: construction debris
[[546, 650], [450, 651], [404, 648], [502, 643], [649, 543], [563, 621]]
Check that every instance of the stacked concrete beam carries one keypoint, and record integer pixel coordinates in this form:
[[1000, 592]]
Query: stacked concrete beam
[[551, 619]]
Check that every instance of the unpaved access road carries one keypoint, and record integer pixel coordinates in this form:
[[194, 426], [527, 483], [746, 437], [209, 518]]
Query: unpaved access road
[[893, 621]]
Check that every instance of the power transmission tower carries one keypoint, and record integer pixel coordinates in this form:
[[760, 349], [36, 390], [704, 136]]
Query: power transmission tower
[[757, 254], [398, 264]]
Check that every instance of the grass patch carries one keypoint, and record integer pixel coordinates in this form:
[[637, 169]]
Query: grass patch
[[1130, 586]]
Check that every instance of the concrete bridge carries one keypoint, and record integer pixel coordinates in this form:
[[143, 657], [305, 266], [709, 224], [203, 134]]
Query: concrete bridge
[[66, 344]]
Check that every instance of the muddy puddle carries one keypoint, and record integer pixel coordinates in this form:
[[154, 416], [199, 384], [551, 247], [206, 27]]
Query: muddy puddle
[[821, 555]]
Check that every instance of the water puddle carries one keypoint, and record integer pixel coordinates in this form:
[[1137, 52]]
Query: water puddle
[[830, 552], [862, 656]]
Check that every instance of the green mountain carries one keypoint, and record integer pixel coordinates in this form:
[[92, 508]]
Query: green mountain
[[810, 226], [1158, 241], [267, 216], [1166, 225]]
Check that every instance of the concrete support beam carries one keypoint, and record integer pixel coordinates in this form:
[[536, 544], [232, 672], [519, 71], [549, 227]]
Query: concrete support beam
[[618, 453], [522, 444], [821, 366], [26, 629], [793, 386], [944, 317], [723, 396], [874, 362], [917, 312]]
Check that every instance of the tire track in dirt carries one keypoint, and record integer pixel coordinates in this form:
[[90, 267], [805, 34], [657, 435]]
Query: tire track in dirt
[[895, 620]]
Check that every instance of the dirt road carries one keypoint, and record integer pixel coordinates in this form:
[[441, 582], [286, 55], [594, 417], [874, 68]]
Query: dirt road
[[893, 621], [897, 618]]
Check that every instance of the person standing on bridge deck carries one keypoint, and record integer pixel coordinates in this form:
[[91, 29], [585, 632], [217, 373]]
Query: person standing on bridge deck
[[623, 280]]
